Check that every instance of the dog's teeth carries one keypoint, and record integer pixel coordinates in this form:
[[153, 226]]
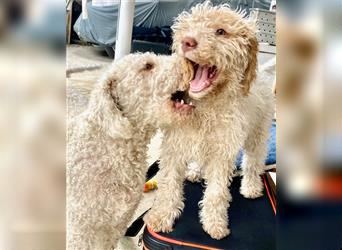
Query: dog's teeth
[[190, 103], [182, 101]]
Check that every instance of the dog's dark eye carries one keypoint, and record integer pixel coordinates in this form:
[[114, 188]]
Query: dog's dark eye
[[221, 32], [148, 66]]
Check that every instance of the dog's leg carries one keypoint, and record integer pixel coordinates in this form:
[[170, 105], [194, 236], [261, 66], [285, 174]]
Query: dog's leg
[[169, 203], [106, 238], [253, 162], [88, 237], [215, 203]]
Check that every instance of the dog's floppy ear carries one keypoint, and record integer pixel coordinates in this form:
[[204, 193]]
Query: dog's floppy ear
[[250, 72], [104, 110]]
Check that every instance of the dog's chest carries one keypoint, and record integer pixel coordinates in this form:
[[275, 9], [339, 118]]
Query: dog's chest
[[194, 139]]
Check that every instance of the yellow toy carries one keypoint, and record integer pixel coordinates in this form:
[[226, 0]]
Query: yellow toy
[[150, 185]]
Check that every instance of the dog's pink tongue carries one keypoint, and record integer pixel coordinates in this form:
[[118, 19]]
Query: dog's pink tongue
[[201, 80]]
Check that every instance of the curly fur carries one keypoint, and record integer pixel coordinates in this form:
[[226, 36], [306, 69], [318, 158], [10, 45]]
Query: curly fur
[[107, 145], [231, 114]]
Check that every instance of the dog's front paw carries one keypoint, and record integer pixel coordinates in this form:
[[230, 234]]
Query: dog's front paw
[[159, 222], [216, 229], [251, 188]]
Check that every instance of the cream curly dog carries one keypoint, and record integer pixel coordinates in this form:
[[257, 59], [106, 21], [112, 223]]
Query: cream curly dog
[[228, 112], [107, 145]]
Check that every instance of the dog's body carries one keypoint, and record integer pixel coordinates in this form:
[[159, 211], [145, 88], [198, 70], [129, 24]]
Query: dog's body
[[230, 113], [107, 145], [104, 186]]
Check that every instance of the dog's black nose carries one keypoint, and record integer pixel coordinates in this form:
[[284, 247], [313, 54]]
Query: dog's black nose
[[188, 43]]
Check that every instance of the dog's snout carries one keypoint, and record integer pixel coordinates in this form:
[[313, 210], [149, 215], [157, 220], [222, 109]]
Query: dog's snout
[[188, 43]]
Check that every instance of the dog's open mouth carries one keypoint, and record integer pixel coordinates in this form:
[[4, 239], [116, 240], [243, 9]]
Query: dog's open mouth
[[182, 102], [204, 77]]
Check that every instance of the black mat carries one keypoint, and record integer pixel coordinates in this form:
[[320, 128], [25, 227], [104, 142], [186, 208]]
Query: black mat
[[252, 222]]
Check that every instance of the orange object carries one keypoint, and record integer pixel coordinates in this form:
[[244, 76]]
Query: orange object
[[179, 243], [150, 185]]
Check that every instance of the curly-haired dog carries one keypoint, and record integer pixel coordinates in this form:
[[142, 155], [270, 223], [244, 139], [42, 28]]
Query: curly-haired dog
[[107, 145], [229, 112]]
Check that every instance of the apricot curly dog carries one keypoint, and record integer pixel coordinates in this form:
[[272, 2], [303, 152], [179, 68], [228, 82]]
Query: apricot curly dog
[[230, 110], [107, 146]]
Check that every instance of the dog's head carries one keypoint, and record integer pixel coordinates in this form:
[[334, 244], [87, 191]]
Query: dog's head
[[220, 44], [138, 91]]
